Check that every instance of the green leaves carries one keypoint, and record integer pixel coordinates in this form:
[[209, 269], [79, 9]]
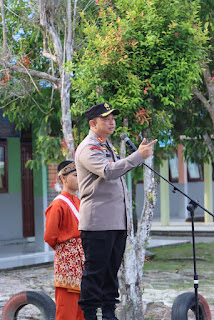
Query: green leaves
[[139, 45], [48, 151]]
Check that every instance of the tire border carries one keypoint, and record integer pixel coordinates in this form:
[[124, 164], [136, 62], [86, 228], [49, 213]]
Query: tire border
[[185, 302], [37, 298]]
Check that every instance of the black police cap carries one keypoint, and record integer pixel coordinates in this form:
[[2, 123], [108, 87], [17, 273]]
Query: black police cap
[[100, 110]]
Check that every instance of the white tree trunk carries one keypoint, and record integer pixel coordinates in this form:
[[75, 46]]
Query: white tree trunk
[[131, 271], [4, 29], [145, 222], [66, 116], [130, 286]]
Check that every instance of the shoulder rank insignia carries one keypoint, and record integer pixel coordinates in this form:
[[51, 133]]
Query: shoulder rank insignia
[[115, 151], [100, 139], [95, 147]]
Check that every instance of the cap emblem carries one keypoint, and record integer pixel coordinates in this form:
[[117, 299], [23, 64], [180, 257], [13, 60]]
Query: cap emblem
[[107, 106]]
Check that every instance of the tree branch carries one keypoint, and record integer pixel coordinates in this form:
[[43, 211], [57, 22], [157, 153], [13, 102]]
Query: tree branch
[[37, 104], [200, 96], [4, 29], [74, 25], [46, 22], [30, 77], [41, 75], [45, 53], [71, 26], [209, 143], [2, 107], [69, 49], [209, 84]]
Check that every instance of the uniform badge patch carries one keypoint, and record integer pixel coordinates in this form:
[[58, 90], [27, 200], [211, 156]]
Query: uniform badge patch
[[115, 151], [100, 139], [95, 147]]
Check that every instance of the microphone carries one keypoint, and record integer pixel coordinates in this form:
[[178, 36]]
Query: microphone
[[132, 147]]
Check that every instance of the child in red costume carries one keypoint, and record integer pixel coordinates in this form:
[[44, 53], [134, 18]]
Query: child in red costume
[[62, 234]]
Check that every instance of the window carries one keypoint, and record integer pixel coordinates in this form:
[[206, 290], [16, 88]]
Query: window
[[173, 169], [194, 171], [3, 167]]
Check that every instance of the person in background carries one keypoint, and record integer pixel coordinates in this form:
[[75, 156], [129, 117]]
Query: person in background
[[103, 219], [62, 234]]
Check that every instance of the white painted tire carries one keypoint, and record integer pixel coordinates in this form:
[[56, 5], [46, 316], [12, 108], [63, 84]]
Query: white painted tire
[[39, 299], [185, 302]]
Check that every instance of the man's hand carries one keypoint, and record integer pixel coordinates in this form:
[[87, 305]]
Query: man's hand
[[146, 149]]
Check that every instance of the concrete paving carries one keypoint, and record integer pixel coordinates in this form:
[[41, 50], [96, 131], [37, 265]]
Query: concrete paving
[[20, 254], [182, 229]]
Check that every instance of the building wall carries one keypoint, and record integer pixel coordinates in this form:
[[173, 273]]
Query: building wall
[[52, 179], [11, 202], [178, 202]]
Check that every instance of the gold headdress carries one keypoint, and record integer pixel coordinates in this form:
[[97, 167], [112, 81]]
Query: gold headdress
[[69, 168]]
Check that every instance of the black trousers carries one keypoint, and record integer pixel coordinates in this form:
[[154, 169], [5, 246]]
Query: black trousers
[[103, 253]]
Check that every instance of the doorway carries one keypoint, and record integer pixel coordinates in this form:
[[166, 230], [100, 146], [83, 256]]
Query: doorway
[[27, 191]]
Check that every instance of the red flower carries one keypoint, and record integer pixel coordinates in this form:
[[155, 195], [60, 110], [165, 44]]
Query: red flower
[[142, 116], [64, 144]]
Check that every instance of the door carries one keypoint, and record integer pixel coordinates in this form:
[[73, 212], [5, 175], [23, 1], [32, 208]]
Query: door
[[27, 191]]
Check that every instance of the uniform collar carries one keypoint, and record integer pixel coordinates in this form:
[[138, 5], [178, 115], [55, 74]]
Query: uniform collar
[[94, 135]]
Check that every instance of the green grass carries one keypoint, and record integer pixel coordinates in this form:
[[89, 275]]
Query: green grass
[[170, 260], [180, 257]]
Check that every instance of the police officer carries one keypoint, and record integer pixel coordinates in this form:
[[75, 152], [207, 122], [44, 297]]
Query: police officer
[[103, 210]]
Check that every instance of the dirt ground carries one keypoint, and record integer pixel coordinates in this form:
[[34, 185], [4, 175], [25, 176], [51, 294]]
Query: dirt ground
[[160, 293], [158, 296]]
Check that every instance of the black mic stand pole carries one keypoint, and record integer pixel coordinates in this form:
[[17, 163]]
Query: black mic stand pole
[[191, 208], [193, 204]]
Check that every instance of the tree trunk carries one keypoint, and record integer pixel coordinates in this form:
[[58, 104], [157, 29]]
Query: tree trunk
[[130, 288], [47, 23], [207, 103], [209, 143], [4, 30], [144, 226], [130, 284], [131, 271], [66, 116]]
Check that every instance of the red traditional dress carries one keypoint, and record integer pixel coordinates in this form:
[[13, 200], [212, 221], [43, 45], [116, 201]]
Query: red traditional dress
[[62, 234]]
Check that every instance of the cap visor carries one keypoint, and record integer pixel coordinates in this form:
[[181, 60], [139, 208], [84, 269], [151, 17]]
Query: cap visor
[[114, 111]]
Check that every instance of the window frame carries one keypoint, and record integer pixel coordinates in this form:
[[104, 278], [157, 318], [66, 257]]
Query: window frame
[[3, 143], [171, 176], [199, 178], [190, 178]]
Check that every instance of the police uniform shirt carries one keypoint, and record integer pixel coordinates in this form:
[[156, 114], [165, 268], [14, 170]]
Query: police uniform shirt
[[101, 184]]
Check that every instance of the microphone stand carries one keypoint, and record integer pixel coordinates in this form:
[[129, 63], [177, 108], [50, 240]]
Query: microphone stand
[[193, 204]]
